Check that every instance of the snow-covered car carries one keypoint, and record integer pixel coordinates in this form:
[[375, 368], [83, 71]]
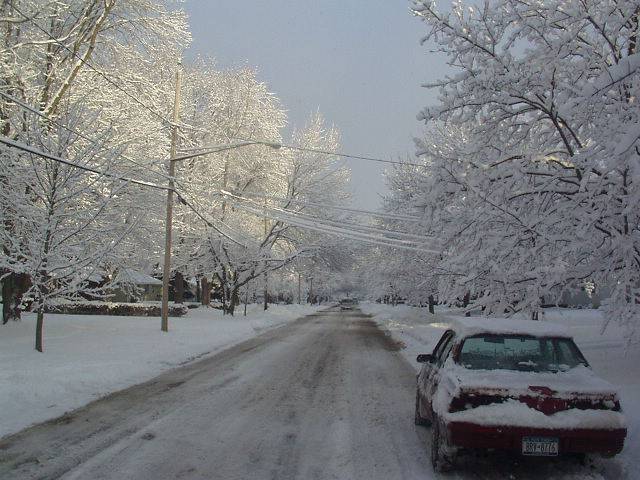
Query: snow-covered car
[[519, 386]]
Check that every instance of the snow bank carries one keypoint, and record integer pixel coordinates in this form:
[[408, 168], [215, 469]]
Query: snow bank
[[87, 357]]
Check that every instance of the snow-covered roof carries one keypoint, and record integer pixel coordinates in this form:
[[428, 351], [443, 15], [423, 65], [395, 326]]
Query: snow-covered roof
[[468, 326], [127, 275]]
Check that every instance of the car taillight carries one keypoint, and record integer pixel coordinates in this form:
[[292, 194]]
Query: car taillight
[[600, 404], [466, 401]]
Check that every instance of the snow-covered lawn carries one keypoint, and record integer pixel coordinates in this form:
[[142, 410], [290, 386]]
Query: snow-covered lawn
[[419, 331], [87, 357]]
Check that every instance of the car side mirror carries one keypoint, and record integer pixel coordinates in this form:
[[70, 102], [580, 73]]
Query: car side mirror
[[424, 358]]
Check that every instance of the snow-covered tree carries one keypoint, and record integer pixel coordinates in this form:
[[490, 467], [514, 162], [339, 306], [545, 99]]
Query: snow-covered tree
[[531, 155], [61, 221], [247, 193], [72, 59]]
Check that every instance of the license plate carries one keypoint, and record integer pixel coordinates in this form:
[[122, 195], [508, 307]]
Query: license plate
[[540, 446]]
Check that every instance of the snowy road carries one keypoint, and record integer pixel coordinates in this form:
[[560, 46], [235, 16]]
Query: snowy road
[[327, 397]]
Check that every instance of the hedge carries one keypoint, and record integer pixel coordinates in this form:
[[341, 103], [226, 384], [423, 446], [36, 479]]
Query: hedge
[[116, 309]]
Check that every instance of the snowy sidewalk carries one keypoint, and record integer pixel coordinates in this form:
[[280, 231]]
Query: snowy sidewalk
[[419, 331], [87, 357]]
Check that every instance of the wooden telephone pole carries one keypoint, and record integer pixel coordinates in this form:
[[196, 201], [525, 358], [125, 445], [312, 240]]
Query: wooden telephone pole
[[166, 272], [266, 275]]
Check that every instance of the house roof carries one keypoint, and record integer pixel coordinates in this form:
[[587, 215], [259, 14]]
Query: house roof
[[128, 275]]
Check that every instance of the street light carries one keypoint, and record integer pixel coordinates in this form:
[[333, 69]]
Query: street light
[[221, 148], [198, 152]]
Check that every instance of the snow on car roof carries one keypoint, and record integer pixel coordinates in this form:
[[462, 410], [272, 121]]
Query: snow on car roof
[[468, 326]]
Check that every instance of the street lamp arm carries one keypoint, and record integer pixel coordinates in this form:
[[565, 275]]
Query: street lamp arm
[[221, 148]]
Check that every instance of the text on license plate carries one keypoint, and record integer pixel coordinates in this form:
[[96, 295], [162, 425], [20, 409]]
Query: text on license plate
[[540, 446]]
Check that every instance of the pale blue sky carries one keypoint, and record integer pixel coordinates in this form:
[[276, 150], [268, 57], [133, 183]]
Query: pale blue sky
[[359, 62]]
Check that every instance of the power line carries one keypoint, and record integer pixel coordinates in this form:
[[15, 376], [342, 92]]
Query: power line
[[34, 151], [208, 222], [285, 217], [366, 229], [372, 213], [341, 154], [316, 150], [32, 109], [348, 155], [88, 64], [181, 197], [163, 118], [320, 225]]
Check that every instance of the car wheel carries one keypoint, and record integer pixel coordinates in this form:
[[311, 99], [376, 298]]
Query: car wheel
[[419, 419], [442, 456]]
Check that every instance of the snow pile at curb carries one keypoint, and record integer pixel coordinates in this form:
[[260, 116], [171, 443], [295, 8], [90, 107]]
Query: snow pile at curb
[[89, 356], [416, 328]]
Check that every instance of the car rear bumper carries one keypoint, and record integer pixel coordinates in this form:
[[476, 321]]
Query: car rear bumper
[[472, 436]]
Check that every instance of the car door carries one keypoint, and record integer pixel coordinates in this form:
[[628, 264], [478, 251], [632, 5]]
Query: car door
[[429, 371], [436, 370]]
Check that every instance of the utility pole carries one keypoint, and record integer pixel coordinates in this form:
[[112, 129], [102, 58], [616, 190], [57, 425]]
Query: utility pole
[[166, 272], [266, 276]]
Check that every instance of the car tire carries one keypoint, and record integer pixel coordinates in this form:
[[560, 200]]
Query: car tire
[[419, 419], [442, 456]]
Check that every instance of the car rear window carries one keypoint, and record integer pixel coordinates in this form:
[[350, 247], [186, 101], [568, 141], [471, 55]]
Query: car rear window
[[520, 352]]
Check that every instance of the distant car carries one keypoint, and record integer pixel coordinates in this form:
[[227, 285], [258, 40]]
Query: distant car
[[519, 386], [347, 303]]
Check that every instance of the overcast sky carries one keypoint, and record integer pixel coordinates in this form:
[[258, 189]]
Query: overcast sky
[[359, 62]]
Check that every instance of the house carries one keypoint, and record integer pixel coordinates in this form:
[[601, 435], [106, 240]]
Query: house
[[135, 286], [585, 295]]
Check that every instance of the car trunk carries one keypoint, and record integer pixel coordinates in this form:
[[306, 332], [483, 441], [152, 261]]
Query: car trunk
[[546, 392]]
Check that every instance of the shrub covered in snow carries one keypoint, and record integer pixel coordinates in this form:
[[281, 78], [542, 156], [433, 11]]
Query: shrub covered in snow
[[117, 309]]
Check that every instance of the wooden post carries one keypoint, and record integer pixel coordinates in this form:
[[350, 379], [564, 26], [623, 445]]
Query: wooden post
[[266, 276], [166, 272]]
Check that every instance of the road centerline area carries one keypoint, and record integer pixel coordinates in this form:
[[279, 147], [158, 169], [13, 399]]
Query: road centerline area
[[325, 397]]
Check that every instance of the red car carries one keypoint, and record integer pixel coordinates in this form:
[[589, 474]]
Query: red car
[[520, 386]]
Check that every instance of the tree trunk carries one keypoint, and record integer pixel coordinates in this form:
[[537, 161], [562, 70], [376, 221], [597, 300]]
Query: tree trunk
[[234, 300], [266, 291], [235, 296], [432, 303], [206, 291], [39, 325], [225, 297], [465, 303], [178, 288], [198, 290], [246, 298], [13, 288]]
